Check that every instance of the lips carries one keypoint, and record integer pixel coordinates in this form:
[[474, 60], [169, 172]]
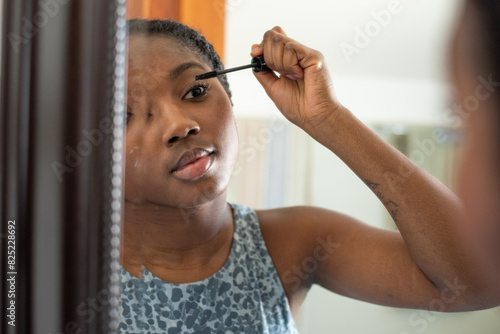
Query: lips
[[190, 157]]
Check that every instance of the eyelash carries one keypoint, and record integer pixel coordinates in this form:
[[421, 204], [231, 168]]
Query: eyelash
[[201, 85]]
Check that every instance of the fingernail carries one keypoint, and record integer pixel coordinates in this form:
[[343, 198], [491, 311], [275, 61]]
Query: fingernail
[[292, 76]]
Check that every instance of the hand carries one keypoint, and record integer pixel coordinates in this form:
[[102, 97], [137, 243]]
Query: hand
[[304, 91]]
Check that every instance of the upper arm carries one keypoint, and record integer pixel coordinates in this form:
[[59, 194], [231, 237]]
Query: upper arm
[[348, 257]]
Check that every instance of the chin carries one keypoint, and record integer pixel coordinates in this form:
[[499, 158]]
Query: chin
[[202, 196], [186, 195]]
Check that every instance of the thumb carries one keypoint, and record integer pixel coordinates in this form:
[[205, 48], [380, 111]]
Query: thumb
[[266, 79]]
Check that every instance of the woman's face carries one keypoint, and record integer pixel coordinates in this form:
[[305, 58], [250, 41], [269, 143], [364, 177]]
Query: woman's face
[[181, 144]]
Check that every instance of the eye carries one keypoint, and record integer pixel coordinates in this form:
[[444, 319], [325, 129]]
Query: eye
[[195, 92]]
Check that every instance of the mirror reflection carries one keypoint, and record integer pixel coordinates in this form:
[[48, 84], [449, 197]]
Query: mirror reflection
[[269, 202]]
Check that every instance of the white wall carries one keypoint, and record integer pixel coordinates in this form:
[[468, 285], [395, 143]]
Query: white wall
[[401, 76], [412, 47], [415, 36]]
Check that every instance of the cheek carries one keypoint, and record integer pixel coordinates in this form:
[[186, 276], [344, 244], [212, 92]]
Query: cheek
[[143, 178], [138, 167], [226, 127]]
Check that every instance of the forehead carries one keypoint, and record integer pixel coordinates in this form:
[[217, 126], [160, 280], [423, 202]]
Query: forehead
[[159, 50]]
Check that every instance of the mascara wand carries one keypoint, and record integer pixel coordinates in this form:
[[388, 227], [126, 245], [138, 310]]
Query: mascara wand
[[258, 65]]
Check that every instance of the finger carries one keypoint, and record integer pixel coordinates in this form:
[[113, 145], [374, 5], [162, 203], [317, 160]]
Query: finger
[[268, 48], [280, 55], [277, 46], [279, 30], [266, 79], [256, 50], [307, 58], [291, 62]]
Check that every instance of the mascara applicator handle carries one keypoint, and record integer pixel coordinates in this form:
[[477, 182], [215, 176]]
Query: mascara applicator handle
[[259, 64]]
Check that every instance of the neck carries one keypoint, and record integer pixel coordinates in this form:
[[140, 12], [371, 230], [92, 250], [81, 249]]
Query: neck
[[176, 239]]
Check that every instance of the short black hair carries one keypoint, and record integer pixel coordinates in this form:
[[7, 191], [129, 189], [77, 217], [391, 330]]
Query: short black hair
[[187, 37]]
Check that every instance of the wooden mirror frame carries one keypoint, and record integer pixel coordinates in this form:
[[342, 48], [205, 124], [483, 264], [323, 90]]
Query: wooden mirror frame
[[62, 103]]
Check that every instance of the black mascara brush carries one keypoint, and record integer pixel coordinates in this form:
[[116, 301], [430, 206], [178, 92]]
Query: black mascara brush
[[258, 65]]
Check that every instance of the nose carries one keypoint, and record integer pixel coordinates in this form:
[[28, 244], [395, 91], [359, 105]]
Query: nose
[[178, 127]]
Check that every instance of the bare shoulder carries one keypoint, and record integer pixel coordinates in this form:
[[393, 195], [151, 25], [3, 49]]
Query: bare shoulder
[[300, 227], [297, 238]]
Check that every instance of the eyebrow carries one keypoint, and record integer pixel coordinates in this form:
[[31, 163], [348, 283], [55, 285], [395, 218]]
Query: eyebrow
[[176, 72]]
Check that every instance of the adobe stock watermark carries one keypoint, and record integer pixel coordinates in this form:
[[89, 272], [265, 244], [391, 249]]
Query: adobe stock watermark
[[424, 149], [147, 79], [421, 319], [88, 311], [298, 274], [223, 6], [482, 92], [31, 26], [455, 117], [250, 147], [372, 29], [75, 155]]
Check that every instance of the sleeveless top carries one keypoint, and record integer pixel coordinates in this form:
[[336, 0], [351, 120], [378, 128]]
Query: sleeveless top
[[245, 296]]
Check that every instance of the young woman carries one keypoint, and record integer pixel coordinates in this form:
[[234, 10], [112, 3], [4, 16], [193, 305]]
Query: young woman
[[194, 263]]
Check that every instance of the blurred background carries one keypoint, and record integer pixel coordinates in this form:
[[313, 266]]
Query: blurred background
[[389, 61]]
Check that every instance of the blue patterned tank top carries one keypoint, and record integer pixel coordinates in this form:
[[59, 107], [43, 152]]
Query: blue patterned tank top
[[244, 296]]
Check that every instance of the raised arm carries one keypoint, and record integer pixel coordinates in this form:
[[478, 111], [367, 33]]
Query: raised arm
[[423, 262]]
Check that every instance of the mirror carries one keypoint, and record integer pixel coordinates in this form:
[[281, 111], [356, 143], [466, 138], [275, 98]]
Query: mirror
[[388, 68], [62, 105]]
